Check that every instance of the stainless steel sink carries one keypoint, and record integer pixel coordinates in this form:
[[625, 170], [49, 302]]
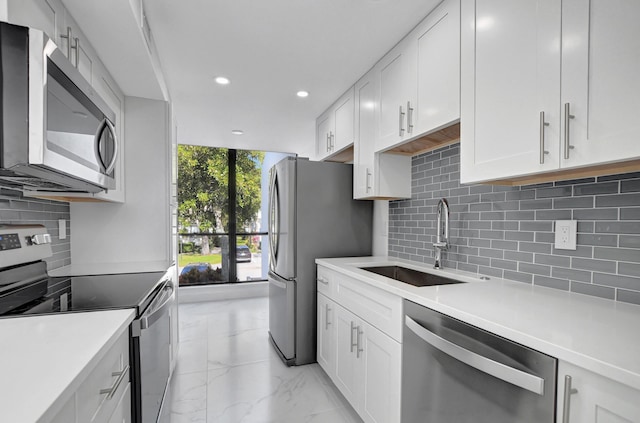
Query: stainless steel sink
[[410, 276]]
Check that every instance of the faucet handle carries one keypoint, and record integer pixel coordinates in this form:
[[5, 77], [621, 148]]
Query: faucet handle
[[442, 245]]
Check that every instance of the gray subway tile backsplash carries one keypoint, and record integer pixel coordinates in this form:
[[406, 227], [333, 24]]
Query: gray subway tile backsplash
[[15, 209], [507, 232]]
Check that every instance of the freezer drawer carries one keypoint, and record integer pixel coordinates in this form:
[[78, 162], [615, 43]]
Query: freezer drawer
[[282, 315]]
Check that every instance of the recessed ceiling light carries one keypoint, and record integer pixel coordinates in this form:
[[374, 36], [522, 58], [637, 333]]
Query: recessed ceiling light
[[222, 80], [237, 132], [302, 94]]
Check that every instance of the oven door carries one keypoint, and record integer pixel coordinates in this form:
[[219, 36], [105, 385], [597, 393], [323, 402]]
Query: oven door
[[151, 356]]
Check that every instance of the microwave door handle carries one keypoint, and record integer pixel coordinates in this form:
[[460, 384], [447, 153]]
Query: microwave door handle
[[108, 126], [112, 129]]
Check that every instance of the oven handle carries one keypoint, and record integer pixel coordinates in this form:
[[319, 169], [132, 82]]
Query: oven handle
[[516, 377], [154, 313]]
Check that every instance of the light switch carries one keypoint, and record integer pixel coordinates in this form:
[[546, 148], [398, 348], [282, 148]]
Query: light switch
[[566, 234]]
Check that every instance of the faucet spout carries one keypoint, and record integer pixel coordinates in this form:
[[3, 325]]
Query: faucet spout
[[442, 232]]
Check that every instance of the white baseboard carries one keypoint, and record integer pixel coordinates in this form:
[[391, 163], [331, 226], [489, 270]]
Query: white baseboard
[[196, 294]]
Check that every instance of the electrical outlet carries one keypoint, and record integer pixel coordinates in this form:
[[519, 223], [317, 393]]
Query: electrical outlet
[[566, 234]]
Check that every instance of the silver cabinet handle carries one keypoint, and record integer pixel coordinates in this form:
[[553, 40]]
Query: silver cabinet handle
[[112, 391], [368, 180], [568, 391], [401, 120], [323, 281], [516, 377], [567, 140], [77, 48], [327, 309], [328, 144], [359, 349], [409, 118], [68, 37], [542, 125], [353, 327]]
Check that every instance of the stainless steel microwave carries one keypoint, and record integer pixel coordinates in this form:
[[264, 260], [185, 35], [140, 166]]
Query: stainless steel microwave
[[56, 134]]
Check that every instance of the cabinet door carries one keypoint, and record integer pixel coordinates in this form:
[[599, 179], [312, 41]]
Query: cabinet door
[[510, 74], [348, 369], [600, 68], [324, 131], [365, 128], [45, 15], [437, 41], [122, 413], [382, 357], [393, 79], [598, 399], [326, 334], [343, 112]]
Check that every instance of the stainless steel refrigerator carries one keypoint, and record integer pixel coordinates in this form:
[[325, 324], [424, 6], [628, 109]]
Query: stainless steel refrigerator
[[312, 214]]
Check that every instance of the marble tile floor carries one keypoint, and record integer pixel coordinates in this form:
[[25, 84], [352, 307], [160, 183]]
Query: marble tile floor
[[228, 372]]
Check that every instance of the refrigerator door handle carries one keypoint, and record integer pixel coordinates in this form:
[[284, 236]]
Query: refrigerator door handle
[[273, 220]]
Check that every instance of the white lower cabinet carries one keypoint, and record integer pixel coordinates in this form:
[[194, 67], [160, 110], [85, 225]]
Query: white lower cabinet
[[104, 396], [596, 399], [326, 335], [362, 361]]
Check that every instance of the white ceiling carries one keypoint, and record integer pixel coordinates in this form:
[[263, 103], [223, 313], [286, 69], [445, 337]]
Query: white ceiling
[[269, 49]]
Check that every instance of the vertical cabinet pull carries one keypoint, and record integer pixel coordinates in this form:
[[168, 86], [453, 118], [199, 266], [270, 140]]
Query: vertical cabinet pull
[[327, 142], [568, 391], [401, 121], [326, 316], [368, 180], [77, 48], [542, 125], [409, 118], [353, 344], [567, 139], [359, 348]]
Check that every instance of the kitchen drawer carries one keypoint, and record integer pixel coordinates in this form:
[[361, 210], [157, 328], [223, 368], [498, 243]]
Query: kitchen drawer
[[326, 280], [97, 407], [377, 307]]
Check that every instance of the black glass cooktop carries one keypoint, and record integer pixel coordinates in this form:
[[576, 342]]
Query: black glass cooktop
[[97, 292]]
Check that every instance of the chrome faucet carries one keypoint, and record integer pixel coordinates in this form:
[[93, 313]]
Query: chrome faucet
[[442, 232]]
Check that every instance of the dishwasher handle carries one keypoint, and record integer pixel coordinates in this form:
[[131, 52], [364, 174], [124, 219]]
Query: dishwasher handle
[[506, 373]]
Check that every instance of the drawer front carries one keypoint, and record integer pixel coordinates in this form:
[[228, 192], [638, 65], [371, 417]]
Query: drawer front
[[377, 307], [99, 394], [325, 280]]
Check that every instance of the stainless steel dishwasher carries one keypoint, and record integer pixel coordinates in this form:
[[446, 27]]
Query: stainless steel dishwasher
[[453, 372]]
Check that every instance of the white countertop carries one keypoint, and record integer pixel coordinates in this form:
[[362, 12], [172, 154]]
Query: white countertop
[[82, 269], [600, 335], [44, 358]]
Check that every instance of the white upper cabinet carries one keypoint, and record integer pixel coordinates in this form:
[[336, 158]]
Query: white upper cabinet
[[510, 75], [547, 86], [419, 79], [45, 15], [334, 129], [437, 75], [600, 83], [375, 175], [395, 111]]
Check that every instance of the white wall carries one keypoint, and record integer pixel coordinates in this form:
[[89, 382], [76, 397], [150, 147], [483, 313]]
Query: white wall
[[4, 14], [380, 227], [138, 230]]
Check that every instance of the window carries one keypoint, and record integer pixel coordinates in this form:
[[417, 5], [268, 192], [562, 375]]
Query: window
[[222, 207]]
